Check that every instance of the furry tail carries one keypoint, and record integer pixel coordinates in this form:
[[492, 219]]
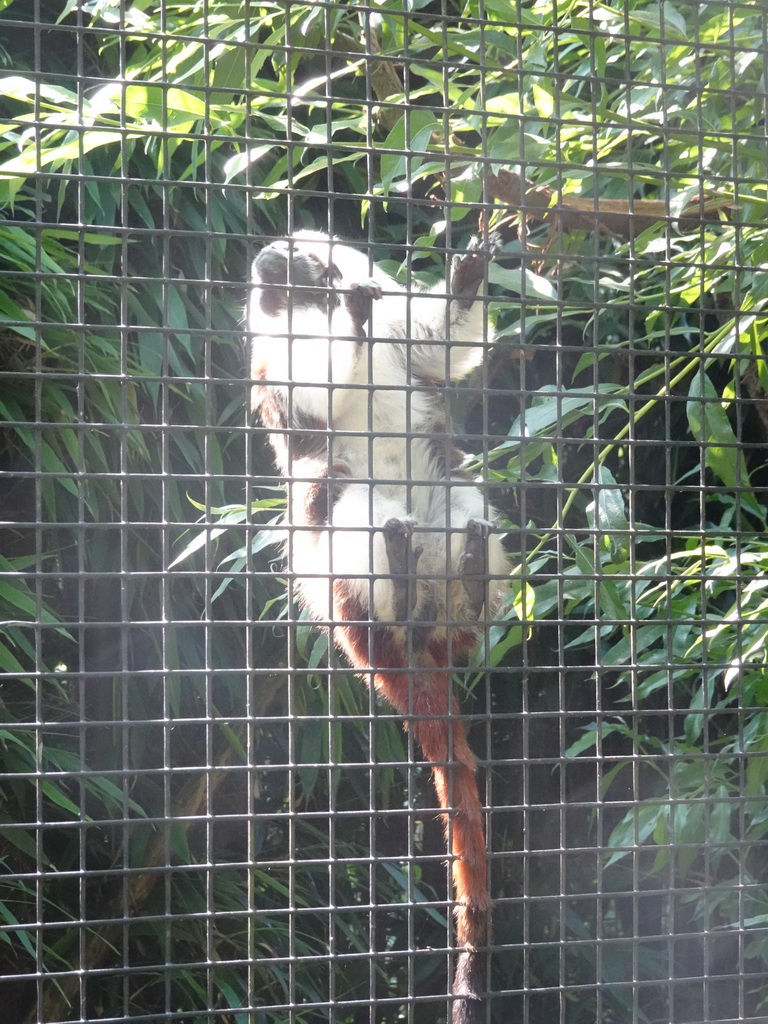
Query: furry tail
[[425, 700]]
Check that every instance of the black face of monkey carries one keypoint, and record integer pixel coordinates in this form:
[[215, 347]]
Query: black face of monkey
[[310, 275]]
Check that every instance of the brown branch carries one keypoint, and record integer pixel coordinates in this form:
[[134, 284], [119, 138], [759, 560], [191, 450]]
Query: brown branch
[[384, 78], [622, 218]]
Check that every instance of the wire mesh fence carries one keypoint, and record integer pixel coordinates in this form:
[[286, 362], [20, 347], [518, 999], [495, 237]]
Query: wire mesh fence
[[206, 814]]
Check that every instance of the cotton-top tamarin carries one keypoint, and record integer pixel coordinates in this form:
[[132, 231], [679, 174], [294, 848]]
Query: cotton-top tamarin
[[391, 543]]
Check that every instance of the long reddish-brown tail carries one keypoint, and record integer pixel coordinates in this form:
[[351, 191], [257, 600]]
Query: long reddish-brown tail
[[424, 698]]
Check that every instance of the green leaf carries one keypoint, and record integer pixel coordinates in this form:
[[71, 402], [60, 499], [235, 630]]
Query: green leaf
[[632, 831], [523, 600], [179, 843], [20, 933], [31, 161], [611, 513], [553, 409], [587, 741], [58, 797], [709, 425], [524, 282], [411, 135]]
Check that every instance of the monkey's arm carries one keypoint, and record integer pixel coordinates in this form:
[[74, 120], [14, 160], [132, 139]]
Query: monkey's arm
[[449, 324]]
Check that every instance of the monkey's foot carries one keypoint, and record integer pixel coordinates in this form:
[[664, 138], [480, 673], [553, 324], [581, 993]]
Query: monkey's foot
[[473, 564], [359, 300], [403, 559], [467, 271]]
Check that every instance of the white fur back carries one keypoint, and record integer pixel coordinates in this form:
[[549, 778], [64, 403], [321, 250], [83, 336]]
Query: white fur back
[[380, 399]]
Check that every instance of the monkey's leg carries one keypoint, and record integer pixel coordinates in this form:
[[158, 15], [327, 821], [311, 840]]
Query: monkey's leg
[[467, 271], [473, 564], [403, 559], [359, 300]]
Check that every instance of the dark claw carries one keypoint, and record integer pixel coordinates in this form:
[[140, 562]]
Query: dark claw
[[359, 300], [468, 271], [474, 565], [403, 559]]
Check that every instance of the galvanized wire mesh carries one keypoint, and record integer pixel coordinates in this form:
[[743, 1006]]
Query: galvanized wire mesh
[[204, 815]]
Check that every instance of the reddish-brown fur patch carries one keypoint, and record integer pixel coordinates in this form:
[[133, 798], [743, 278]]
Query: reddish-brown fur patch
[[423, 696]]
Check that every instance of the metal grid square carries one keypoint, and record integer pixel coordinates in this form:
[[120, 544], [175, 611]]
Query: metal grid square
[[204, 815]]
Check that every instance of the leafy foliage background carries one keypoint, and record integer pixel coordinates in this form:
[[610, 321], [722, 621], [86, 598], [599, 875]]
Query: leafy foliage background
[[157, 758]]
